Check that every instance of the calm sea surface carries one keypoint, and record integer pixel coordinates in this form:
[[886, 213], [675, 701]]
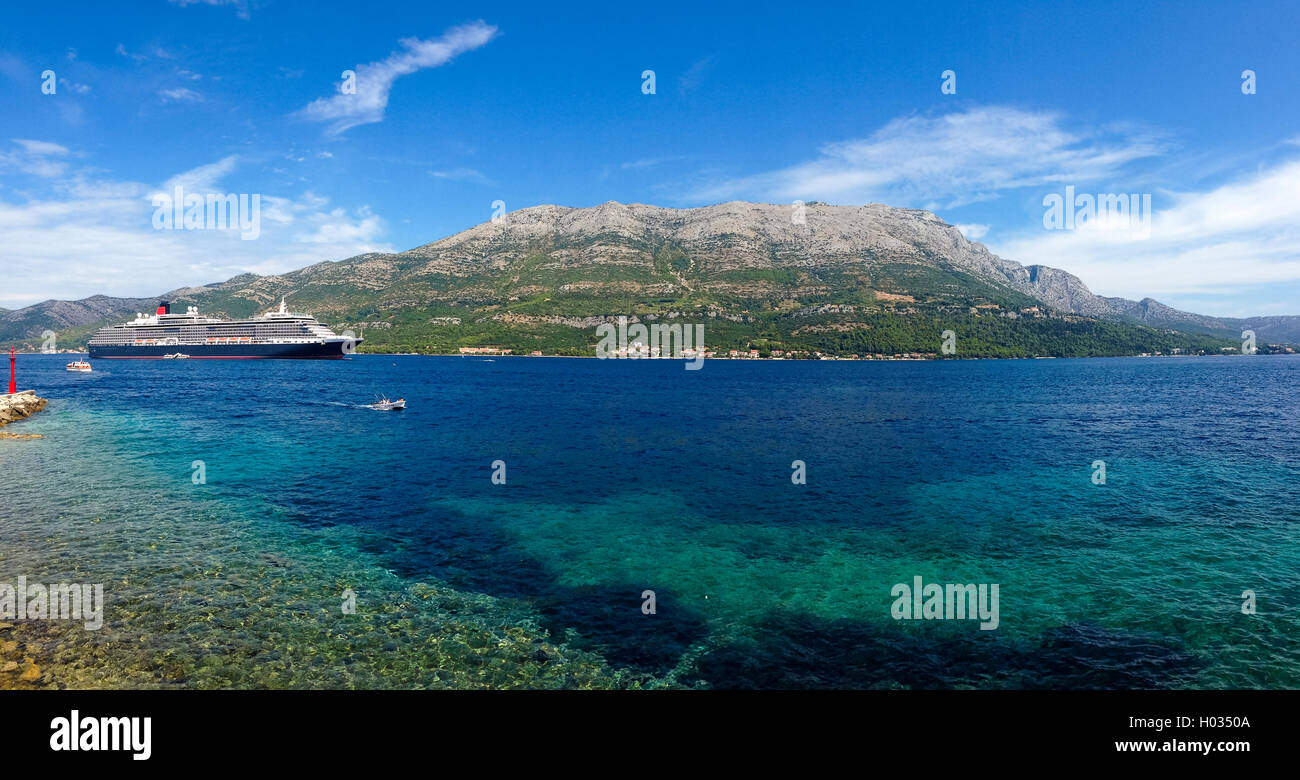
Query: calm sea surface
[[626, 476]]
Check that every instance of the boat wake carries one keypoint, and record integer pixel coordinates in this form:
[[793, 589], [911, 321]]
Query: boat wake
[[381, 405], [340, 403]]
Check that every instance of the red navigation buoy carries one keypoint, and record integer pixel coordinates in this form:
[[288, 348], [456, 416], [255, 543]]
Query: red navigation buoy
[[13, 386]]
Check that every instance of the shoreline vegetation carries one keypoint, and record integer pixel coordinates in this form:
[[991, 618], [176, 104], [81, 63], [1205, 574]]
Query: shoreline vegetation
[[493, 352], [835, 334], [859, 358]]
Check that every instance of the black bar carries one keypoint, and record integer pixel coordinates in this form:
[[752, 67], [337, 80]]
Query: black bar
[[303, 729]]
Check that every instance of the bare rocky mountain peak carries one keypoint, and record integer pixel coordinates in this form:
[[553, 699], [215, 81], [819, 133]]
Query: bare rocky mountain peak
[[734, 234]]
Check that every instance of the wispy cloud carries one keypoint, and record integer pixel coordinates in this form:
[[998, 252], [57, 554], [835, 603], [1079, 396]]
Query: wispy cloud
[[37, 158], [642, 164], [84, 235], [42, 147], [462, 174], [973, 232], [180, 95], [693, 75], [648, 162], [13, 68], [948, 160], [375, 80], [337, 227], [240, 6], [155, 53], [1241, 236], [204, 178], [122, 50]]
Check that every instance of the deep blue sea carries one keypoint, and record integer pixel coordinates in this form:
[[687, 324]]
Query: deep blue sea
[[628, 476]]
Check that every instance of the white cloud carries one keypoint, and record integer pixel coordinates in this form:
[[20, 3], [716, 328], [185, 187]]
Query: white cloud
[[973, 232], [180, 95], [947, 160], [240, 6], [38, 158], [375, 80], [1240, 237], [85, 236], [648, 162], [44, 148], [157, 52], [462, 174], [693, 75], [336, 227], [121, 49], [643, 164], [203, 178]]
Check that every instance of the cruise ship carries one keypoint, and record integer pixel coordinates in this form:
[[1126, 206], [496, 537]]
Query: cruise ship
[[276, 334]]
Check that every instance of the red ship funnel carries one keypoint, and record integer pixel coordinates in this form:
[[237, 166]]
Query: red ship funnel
[[164, 308]]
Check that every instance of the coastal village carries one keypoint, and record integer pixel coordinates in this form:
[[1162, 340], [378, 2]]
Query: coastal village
[[803, 354], [654, 353]]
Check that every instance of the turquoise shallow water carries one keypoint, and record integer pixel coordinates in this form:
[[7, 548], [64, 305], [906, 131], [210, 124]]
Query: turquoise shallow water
[[624, 476]]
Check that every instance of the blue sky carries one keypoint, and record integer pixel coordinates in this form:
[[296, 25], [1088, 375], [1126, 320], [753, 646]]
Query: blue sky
[[460, 105]]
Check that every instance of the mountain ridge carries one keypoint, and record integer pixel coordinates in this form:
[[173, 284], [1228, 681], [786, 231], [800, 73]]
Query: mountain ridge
[[734, 259]]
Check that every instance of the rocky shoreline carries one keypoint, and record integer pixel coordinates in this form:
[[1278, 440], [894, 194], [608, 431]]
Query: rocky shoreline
[[19, 406]]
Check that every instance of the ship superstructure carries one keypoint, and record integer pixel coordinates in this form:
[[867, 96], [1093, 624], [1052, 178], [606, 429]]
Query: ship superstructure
[[276, 334]]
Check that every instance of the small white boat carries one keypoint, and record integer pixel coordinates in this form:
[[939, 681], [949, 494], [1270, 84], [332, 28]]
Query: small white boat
[[79, 365], [176, 356], [385, 405]]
